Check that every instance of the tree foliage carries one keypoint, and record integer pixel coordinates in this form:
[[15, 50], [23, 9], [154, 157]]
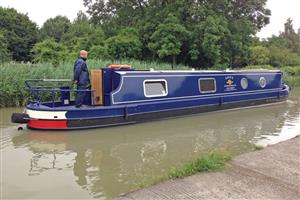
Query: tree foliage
[[282, 50], [168, 38], [19, 32], [82, 35], [220, 31], [4, 53], [259, 55], [214, 30], [55, 28], [49, 51], [124, 45], [201, 34], [292, 39]]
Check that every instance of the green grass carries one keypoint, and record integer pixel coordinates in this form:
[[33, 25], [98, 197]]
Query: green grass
[[208, 162], [211, 162]]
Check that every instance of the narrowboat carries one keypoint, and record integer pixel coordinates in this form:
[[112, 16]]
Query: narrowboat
[[120, 95]]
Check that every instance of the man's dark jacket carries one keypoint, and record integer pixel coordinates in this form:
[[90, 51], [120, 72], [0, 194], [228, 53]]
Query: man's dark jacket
[[81, 73]]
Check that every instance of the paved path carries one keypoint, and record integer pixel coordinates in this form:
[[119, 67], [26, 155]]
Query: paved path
[[271, 173]]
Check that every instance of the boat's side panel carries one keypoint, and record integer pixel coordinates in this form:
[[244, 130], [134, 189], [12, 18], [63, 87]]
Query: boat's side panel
[[130, 117], [131, 90]]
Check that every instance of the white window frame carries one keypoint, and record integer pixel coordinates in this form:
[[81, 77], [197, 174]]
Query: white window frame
[[210, 91], [260, 79], [155, 80], [244, 88]]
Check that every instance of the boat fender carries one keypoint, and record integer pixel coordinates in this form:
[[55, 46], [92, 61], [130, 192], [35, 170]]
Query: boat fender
[[21, 118]]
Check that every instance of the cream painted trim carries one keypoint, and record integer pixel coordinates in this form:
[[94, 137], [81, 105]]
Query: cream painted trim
[[52, 115]]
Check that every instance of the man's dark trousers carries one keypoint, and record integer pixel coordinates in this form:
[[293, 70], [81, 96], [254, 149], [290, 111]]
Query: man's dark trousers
[[81, 95]]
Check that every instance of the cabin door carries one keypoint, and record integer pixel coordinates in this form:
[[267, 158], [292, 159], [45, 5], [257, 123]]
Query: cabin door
[[97, 88]]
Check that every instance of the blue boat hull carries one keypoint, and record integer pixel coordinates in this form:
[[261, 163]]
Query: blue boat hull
[[131, 96], [131, 114]]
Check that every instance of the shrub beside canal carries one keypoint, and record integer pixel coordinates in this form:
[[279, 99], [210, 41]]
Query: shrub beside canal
[[211, 162], [291, 75]]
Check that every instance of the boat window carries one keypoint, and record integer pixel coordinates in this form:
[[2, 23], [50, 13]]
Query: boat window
[[207, 85], [262, 82], [155, 88], [244, 83]]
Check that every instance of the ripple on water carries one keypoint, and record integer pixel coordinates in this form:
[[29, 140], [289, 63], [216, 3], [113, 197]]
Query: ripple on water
[[289, 129]]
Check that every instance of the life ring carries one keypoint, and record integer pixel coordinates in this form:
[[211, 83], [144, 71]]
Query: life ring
[[119, 66]]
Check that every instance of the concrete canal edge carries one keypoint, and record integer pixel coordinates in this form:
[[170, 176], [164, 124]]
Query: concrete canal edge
[[270, 173]]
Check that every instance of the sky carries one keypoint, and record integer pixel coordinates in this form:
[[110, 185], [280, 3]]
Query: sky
[[41, 10]]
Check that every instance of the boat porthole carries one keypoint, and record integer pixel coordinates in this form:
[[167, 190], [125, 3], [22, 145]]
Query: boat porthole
[[244, 83], [262, 82]]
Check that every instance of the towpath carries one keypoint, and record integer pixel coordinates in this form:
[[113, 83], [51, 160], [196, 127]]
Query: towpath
[[271, 173]]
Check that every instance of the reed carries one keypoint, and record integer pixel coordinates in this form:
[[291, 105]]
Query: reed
[[13, 75]]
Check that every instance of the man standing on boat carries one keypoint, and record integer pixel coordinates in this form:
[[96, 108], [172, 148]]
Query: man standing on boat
[[81, 78]]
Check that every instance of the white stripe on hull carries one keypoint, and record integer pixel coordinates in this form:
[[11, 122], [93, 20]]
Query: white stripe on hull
[[36, 114]]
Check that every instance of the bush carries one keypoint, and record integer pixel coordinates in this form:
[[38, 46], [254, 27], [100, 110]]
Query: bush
[[49, 51], [259, 67], [283, 57], [259, 55], [293, 71], [123, 46], [99, 52]]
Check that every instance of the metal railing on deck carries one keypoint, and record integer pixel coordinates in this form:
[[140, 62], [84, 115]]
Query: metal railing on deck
[[36, 86]]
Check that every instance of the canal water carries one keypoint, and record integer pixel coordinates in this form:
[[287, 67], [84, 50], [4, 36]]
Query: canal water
[[104, 163]]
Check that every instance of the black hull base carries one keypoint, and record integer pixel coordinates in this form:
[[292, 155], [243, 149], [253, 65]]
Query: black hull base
[[154, 116]]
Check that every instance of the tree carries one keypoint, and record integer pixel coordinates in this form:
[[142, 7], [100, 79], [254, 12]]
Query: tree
[[238, 42], [124, 45], [49, 51], [226, 41], [124, 12], [82, 35], [292, 39], [285, 48], [55, 28], [20, 33], [214, 33], [168, 38], [253, 11], [4, 53]]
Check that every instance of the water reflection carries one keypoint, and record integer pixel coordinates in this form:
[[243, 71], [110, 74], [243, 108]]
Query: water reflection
[[107, 162]]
